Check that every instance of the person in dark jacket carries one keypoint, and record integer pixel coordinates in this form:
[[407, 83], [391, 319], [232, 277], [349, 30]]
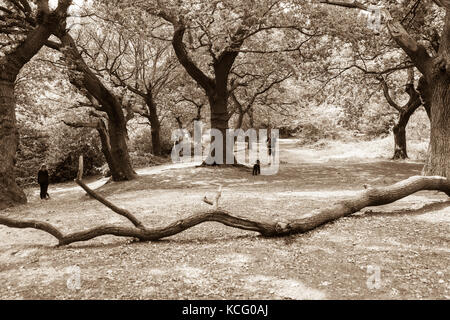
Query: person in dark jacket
[[43, 181], [269, 145]]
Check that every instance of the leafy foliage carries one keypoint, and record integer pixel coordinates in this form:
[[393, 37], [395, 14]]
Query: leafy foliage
[[66, 147]]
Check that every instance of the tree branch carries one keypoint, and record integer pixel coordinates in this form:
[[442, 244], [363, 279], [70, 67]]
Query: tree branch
[[180, 50], [387, 94], [96, 196], [416, 52]]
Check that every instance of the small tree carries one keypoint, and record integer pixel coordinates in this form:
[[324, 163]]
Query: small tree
[[404, 113]]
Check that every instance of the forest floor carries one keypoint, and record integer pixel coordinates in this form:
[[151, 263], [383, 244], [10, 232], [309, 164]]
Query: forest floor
[[404, 245]]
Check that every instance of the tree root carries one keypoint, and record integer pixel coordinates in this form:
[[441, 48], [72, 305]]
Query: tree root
[[369, 197]]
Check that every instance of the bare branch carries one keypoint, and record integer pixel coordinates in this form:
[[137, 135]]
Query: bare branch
[[387, 94]]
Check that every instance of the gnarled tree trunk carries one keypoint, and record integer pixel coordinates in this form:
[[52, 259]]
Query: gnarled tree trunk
[[251, 118], [122, 169], [215, 88], [438, 162], [10, 66], [155, 125], [400, 140], [117, 131], [405, 114], [106, 146], [439, 159], [10, 193], [219, 121], [436, 71]]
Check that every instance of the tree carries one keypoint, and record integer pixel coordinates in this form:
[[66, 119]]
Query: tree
[[218, 32], [404, 112], [256, 91], [124, 52], [114, 134], [187, 103], [347, 77], [24, 30], [436, 72]]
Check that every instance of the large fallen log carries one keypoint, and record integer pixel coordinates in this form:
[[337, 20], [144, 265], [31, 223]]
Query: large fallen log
[[366, 198]]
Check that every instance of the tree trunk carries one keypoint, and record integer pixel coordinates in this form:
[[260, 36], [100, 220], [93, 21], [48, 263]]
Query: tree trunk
[[113, 140], [404, 115], [439, 159], [106, 147], [400, 141], [155, 126], [122, 170], [438, 163], [156, 140], [251, 118], [10, 193], [215, 88], [10, 66], [219, 121], [436, 70]]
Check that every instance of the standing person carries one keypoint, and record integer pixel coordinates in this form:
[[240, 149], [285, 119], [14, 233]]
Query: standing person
[[273, 144], [269, 145], [43, 181]]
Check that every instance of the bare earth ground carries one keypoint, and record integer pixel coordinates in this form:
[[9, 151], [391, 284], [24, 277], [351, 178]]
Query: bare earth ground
[[408, 241]]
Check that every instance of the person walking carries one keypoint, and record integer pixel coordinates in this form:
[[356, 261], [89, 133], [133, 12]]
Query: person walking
[[269, 145], [43, 181], [273, 143]]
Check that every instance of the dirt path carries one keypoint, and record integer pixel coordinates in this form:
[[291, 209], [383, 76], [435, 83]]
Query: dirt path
[[398, 251]]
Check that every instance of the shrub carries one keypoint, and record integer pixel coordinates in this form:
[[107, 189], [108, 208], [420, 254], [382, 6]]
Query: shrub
[[31, 153], [141, 140], [67, 144], [59, 147]]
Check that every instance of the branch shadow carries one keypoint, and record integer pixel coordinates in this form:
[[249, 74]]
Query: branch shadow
[[435, 206], [164, 241]]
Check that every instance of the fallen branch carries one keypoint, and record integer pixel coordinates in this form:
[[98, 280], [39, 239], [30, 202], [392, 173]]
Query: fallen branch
[[122, 212], [96, 196], [370, 197]]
